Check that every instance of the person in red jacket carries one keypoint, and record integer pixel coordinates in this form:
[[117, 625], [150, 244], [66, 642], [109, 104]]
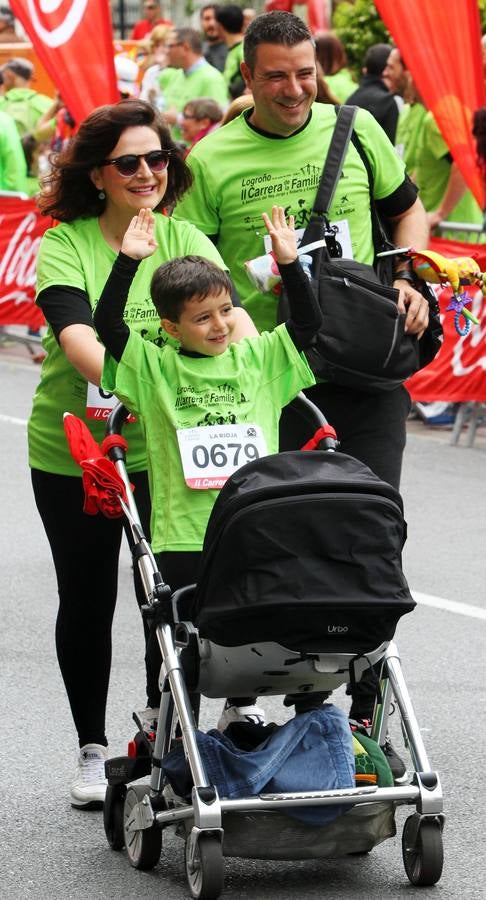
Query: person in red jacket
[[151, 18]]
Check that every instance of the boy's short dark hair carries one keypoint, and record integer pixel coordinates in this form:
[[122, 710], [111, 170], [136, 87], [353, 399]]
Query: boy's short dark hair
[[186, 278], [275, 27]]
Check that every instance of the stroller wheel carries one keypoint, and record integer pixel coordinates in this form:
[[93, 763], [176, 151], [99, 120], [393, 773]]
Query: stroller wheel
[[205, 869], [113, 815], [143, 847], [423, 854]]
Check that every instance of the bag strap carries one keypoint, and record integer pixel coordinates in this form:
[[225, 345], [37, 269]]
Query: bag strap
[[381, 241], [335, 157]]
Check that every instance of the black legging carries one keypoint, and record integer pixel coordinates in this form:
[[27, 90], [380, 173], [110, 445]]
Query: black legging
[[85, 551]]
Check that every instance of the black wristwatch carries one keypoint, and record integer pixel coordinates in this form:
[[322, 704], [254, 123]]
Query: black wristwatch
[[405, 275]]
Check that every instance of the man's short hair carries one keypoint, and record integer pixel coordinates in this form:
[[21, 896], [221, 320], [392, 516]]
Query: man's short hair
[[186, 278], [21, 66], [189, 36], [230, 17], [213, 6], [273, 28], [376, 58]]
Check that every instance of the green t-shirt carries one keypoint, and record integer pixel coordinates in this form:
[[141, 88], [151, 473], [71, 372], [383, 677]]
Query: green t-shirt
[[249, 383], [179, 87], [77, 255], [432, 172], [342, 84], [409, 128], [234, 57], [25, 106], [239, 173], [13, 168]]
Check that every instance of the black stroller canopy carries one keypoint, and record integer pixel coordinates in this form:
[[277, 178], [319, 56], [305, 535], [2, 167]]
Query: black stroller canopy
[[324, 536]]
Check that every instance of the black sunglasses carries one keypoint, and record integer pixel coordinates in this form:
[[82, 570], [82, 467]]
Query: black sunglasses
[[157, 161]]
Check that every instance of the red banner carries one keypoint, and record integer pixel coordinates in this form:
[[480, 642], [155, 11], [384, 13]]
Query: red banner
[[458, 373], [441, 45], [317, 14], [21, 229], [74, 41]]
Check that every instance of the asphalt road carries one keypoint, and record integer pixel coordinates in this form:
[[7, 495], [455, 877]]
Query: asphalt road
[[48, 850]]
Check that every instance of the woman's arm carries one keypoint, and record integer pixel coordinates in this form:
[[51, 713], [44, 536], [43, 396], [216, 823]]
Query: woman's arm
[[83, 351], [244, 325]]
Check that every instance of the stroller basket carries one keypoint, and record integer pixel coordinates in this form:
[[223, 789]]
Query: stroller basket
[[324, 536]]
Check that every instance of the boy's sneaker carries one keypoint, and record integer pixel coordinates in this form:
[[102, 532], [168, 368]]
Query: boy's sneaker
[[396, 763], [249, 715], [88, 786]]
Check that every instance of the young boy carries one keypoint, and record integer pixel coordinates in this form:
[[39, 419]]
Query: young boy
[[210, 405]]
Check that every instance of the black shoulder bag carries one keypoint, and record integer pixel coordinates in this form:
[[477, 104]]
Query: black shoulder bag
[[361, 343]]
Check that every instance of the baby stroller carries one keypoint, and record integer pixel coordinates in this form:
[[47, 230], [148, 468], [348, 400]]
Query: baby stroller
[[309, 600]]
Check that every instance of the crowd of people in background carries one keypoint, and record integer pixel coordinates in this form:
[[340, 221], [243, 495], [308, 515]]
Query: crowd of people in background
[[193, 77]]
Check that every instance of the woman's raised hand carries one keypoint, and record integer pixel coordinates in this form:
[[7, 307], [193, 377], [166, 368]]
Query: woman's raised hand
[[284, 243], [139, 241]]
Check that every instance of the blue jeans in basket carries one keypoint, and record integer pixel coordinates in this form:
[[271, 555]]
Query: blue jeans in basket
[[311, 752]]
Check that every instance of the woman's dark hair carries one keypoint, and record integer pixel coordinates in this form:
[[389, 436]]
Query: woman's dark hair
[[330, 53], [186, 278], [68, 192]]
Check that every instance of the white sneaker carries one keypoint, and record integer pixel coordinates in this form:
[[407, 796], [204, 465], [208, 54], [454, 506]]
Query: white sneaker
[[148, 719], [88, 786], [251, 715]]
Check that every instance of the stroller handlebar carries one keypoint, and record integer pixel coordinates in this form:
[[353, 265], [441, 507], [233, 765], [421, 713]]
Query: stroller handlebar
[[116, 419]]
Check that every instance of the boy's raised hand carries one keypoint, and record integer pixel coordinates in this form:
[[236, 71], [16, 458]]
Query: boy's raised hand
[[284, 243], [139, 241]]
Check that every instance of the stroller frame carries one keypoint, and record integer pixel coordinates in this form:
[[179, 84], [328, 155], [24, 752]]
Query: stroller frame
[[135, 815]]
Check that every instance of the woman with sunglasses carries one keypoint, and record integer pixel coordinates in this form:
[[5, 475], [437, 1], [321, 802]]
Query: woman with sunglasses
[[121, 159]]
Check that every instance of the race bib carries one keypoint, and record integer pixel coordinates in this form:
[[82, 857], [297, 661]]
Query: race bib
[[210, 454], [343, 238], [99, 403]]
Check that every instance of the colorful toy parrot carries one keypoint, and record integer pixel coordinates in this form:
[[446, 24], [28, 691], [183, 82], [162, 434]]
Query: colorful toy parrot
[[458, 272]]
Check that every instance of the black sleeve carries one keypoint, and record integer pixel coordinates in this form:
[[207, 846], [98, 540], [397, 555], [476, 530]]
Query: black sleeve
[[108, 317], [305, 312], [63, 305], [402, 199]]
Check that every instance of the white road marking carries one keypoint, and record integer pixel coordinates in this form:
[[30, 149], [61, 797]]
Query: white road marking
[[11, 420], [461, 609], [452, 606]]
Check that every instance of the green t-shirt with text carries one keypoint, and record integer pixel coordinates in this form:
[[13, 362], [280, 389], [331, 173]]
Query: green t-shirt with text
[[77, 255], [239, 173], [249, 383]]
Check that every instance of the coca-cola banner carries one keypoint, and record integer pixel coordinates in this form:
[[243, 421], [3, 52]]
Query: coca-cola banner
[[21, 229], [74, 41], [458, 373]]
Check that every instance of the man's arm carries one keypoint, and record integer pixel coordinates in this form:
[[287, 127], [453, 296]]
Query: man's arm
[[410, 229]]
